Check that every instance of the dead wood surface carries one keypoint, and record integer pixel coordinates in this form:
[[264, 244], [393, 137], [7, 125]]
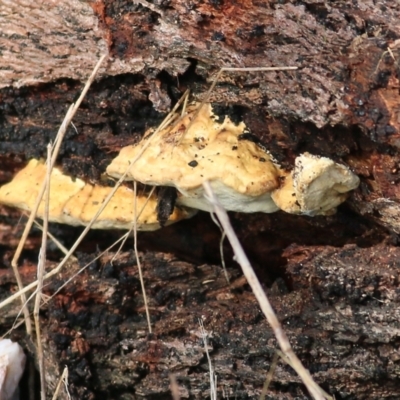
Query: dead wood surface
[[333, 281]]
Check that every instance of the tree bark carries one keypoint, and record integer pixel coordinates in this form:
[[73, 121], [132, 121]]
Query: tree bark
[[332, 280]]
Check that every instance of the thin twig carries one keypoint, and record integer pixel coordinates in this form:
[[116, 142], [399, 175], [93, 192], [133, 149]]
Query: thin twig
[[269, 376], [138, 259], [40, 274], [133, 225], [63, 379], [213, 376], [240, 256], [221, 247], [61, 247], [16, 324]]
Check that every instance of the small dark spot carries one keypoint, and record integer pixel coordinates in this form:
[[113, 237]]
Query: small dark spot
[[42, 48], [390, 130], [300, 59], [217, 3], [121, 48], [95, 203], [196, 139], [218, 37], [234, 147], [193, 163], [262, 159], [141, 34], [257, 31], [239, 32]]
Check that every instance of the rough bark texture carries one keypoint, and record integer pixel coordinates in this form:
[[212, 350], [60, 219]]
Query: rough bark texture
[[332, 280]]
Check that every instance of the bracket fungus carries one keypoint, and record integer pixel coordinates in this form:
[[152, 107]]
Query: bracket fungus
[[194, 150], [74, 202], [244, 176], [316, 186]]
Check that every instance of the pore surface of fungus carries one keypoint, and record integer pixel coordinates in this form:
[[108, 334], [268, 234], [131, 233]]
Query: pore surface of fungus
[[199, 148], [74, 202], [316, 186]]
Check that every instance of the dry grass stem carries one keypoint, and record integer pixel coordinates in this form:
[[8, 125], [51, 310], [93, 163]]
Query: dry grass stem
[[221, 247], [315, 390], [40, 274], [213, 376], [138, 260], [125, 237], [60, 246], [17, 323], [269, 376], [63, 379]]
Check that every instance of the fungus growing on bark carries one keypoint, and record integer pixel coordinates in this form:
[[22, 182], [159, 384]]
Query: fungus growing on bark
[[192, 151], [12, 364], [244, 176], [74, 202], [316, 186]]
